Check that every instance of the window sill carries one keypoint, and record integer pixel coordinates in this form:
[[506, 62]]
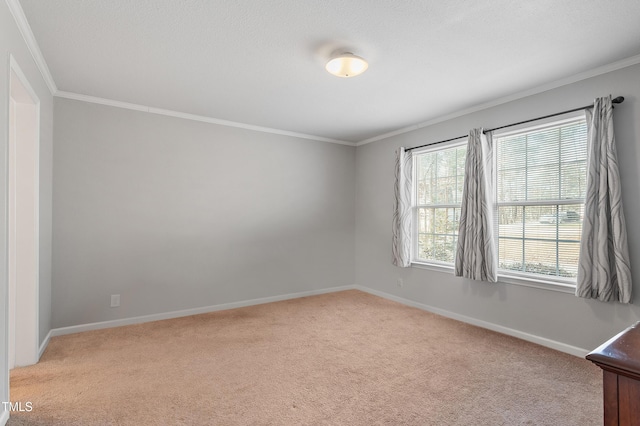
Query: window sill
[[506, 278]]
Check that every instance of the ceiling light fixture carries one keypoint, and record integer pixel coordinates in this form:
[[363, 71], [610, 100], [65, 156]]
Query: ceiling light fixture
[[347, 65]]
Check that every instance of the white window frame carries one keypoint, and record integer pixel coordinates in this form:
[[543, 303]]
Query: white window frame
[[523, 277], [414, 206], [565, 285]]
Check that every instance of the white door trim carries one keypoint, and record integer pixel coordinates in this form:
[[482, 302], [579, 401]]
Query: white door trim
[[25, 257]]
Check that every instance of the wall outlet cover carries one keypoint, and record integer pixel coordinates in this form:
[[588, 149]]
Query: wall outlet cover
[[115, 300]]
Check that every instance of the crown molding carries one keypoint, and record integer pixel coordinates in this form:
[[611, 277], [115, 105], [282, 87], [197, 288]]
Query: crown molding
[[193, 117], [247, 126], [25, 29], [101, 101], [627, 62]]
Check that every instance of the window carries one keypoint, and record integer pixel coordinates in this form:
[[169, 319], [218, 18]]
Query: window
[[438, 177], [540, 182]]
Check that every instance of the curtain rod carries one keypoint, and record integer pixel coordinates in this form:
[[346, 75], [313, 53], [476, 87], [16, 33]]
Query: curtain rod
[[617, 100]]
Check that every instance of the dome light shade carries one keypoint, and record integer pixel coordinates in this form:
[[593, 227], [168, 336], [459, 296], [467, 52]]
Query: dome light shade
[[347, 65]]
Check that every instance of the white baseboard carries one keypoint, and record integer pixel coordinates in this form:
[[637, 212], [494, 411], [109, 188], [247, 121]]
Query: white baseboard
[[44, 345], [559, 346], [4, 417], [553, 344], [187, 312]]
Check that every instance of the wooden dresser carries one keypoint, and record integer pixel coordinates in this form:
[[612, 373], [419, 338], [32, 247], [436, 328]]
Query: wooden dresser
[[619, 359]]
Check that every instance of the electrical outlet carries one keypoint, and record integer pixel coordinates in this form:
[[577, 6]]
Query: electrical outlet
[[400, 282], [115, 300]]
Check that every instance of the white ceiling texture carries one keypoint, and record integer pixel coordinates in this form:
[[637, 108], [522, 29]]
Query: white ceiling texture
[[261, 62]]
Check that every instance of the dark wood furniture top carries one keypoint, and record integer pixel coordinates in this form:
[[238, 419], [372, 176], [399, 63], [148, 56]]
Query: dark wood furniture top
[[619, 359], [620, 354]]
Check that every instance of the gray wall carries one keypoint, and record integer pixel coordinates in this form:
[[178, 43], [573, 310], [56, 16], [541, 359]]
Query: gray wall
[[544, 313], [11, 42], [174, 214]]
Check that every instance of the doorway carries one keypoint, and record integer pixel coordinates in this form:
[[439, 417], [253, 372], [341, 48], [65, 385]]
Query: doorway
[[23, 219]]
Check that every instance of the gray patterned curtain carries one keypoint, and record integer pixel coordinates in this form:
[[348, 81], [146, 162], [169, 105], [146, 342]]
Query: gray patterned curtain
[[604, 271], [401, 244], [476, 254]]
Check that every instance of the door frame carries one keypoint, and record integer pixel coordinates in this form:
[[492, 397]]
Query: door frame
[[23, 257]]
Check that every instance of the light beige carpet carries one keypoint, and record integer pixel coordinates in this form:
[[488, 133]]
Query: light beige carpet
[[346, 358]]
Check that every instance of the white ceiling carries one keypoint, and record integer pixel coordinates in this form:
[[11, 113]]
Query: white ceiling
[[261, 62]]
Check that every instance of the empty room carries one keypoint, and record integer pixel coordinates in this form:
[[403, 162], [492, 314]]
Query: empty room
[[319, 212]]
